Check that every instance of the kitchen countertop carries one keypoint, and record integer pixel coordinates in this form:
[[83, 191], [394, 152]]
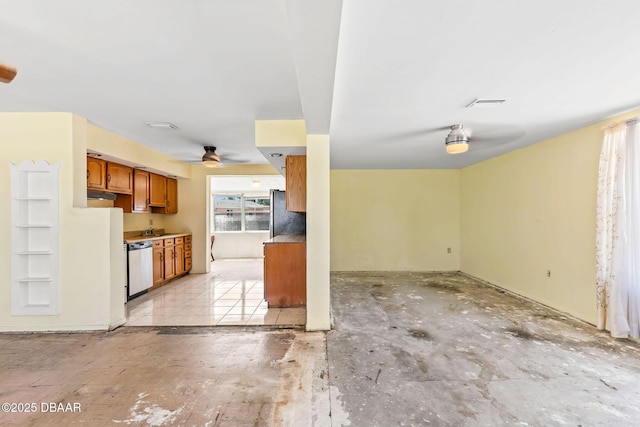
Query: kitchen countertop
[[164, 236], [288, 238]]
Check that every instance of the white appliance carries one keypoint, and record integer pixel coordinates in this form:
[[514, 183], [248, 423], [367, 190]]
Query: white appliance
[[140, 271]]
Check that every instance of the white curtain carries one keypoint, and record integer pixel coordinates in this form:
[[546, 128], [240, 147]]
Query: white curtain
[[618, 231]]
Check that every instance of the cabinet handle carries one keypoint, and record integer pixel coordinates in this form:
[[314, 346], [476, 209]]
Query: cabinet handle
[[148, 201], [88, 173], [109, 178], [161, 257]]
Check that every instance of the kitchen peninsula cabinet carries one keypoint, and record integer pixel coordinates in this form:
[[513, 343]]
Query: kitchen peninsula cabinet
[[285, 271], [296, 183]]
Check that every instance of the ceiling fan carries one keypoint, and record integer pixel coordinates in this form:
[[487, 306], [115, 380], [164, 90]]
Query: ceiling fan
[[211, 159], [478, 136]]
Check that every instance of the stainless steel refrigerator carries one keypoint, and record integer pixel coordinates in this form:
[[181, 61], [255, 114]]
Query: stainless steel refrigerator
[[282, 221]]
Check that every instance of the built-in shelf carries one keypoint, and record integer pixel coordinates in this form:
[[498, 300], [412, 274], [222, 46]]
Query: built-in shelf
[[35, 270]]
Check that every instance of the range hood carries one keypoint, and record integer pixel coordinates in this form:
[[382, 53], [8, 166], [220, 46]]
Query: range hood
[[99, 195]]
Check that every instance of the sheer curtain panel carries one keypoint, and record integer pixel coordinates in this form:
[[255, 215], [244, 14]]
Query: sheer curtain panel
[[618, 231]]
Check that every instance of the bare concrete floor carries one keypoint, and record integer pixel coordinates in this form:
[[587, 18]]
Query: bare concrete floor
[[407, 349], [443, 349]]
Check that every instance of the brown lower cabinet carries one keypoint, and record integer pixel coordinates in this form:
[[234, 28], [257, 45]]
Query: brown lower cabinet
[[285, 274], [170, 259]]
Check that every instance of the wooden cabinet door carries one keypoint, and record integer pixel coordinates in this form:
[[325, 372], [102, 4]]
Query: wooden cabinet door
[[172, 196], [158, 265], [157, 190], [296, 183], [169, 263], [140, 191], [179, 259], [96, 174], [119, 178], [285, 271]]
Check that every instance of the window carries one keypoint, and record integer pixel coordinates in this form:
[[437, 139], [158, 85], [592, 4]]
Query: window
[[236, 212]]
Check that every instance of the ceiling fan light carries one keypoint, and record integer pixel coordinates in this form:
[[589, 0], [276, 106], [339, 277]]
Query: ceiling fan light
[[210, 159], [210, 163], [457, 141], [457, 148]]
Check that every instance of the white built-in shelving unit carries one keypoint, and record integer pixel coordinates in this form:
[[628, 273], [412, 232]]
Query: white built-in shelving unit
[[35, 247]]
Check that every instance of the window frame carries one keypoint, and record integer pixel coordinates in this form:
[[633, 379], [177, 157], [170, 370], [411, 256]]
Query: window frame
[[243, 225]]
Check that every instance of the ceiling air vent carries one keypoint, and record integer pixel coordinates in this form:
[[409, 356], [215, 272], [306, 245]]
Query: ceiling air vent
[[482, 103]]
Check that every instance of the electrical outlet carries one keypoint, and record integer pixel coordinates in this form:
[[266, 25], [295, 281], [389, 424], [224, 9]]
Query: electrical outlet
[[548, 273], [448, 250], [150, 222]]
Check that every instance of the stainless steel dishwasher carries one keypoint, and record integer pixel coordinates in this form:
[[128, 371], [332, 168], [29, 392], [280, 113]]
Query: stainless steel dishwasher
[[140, 271]]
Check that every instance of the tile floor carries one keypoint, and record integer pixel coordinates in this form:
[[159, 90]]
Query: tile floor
[[413, 349], [230, 295]]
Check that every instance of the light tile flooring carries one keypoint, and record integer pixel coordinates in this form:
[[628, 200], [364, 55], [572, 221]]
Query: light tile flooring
[[230, 295]]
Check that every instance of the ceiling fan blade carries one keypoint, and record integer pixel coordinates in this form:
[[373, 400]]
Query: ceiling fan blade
[[493, 135], [7, 73]]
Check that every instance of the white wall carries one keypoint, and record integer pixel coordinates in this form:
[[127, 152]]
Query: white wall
[[239, 245]]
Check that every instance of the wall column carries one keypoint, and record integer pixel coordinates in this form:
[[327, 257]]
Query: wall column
[[318, 231]]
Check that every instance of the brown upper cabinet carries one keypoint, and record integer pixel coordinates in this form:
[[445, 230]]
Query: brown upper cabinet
[[172, 196], [141, 191], [138, 190], [119, 178], [296, 183], [96, 174], [157, 190]]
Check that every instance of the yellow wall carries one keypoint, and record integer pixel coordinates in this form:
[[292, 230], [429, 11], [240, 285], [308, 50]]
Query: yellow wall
[[395, 220], [110, 144], [531, 211], [87, 279]]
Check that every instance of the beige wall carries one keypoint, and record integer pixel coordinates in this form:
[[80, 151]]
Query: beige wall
[[141, 221], [87, 279], [318, 233], [395, 220], [533, 211], [108, 143]]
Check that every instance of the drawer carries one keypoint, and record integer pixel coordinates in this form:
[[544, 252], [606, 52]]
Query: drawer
[[187, 239], [179, 240], [187, 264], [157, 243], [169, 242], [187, 253], [187, 246]]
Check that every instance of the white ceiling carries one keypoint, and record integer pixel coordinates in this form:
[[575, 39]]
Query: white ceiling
[[384, 78]]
